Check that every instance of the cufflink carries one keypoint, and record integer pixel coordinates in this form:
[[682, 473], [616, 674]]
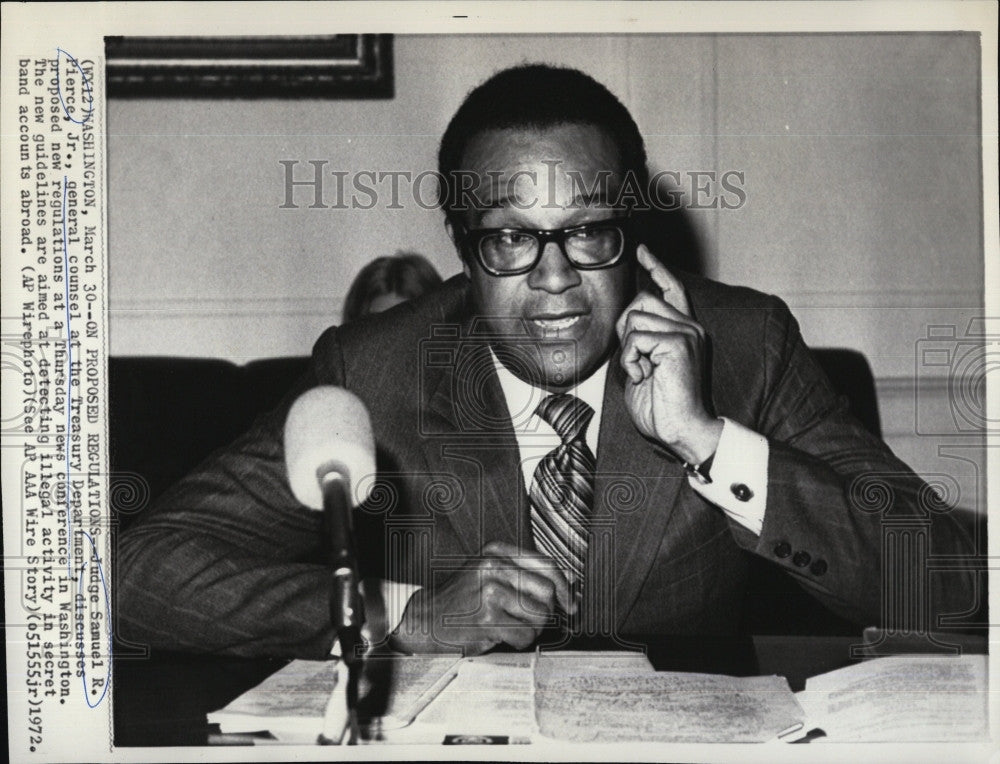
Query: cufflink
[[741, 491]]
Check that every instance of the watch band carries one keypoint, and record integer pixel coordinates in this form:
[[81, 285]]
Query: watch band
[[700, 471]]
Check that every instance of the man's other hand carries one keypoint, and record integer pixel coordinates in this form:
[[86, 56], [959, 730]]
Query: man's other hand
[[508, 595], [663, 354]]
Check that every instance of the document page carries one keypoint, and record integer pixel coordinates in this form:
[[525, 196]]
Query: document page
[[291, 703], [491, 695], [604, 663], [630, 705], [901, 698], [396, 688]]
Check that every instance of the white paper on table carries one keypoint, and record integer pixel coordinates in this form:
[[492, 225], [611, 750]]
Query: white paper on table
[[666, 707], [295, 704], [406, 683], [604, 663], [491, 695], [901, 698]]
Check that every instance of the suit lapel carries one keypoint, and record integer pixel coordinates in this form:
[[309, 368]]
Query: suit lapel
[[635, 492], [471, 437]]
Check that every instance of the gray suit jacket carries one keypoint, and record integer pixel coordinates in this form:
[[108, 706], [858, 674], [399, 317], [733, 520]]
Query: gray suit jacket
[[229, 561]]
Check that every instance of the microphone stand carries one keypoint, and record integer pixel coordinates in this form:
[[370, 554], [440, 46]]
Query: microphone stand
[[347, 613]]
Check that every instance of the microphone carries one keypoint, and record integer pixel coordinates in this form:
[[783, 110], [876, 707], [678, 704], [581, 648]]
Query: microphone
[[329, 449]]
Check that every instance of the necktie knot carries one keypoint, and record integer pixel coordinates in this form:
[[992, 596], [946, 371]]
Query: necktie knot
[[568, 416]]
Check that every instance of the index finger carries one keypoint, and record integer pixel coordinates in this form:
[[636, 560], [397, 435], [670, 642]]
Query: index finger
[[673, 290]]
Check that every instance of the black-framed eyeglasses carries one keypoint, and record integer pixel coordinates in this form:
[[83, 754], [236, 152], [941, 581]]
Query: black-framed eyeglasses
[[513, 251]]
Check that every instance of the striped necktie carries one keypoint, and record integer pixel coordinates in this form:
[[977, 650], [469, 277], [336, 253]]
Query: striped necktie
[[562, 489]]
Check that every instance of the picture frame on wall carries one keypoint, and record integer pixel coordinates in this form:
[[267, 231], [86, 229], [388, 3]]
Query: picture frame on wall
[[320, 66]]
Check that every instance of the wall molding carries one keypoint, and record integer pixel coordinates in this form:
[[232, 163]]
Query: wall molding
[[798, 299], [902, 408], [225, 307], [294, 305], [895, 386]]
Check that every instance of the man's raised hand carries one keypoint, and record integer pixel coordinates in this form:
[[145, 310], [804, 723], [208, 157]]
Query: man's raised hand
[[663, 354]]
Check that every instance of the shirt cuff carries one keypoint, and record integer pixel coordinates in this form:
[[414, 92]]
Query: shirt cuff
[[393, 597], [396, 597], [739, 476]]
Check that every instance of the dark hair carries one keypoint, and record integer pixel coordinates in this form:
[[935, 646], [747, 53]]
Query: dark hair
[[405, 273], [537, 96]]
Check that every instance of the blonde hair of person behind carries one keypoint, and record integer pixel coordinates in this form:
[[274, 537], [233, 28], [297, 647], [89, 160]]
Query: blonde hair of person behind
[[407, 274]]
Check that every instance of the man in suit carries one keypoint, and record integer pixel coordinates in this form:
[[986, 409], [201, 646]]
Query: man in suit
[[569, 435]]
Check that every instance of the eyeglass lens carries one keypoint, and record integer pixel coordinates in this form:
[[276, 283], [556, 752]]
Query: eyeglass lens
[[515, 250]]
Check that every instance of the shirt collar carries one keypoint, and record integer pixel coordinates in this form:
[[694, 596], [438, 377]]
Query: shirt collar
[[523, 399]]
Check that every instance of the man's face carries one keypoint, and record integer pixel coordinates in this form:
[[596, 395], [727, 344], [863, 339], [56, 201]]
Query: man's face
[[573, 311]]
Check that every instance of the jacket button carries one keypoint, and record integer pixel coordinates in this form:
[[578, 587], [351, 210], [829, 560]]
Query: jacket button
[[741, 491], [783, 549], [801, 559], [819, 567]]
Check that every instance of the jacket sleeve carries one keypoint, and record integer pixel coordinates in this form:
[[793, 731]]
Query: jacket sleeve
[[227, 560], [844, 516]]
